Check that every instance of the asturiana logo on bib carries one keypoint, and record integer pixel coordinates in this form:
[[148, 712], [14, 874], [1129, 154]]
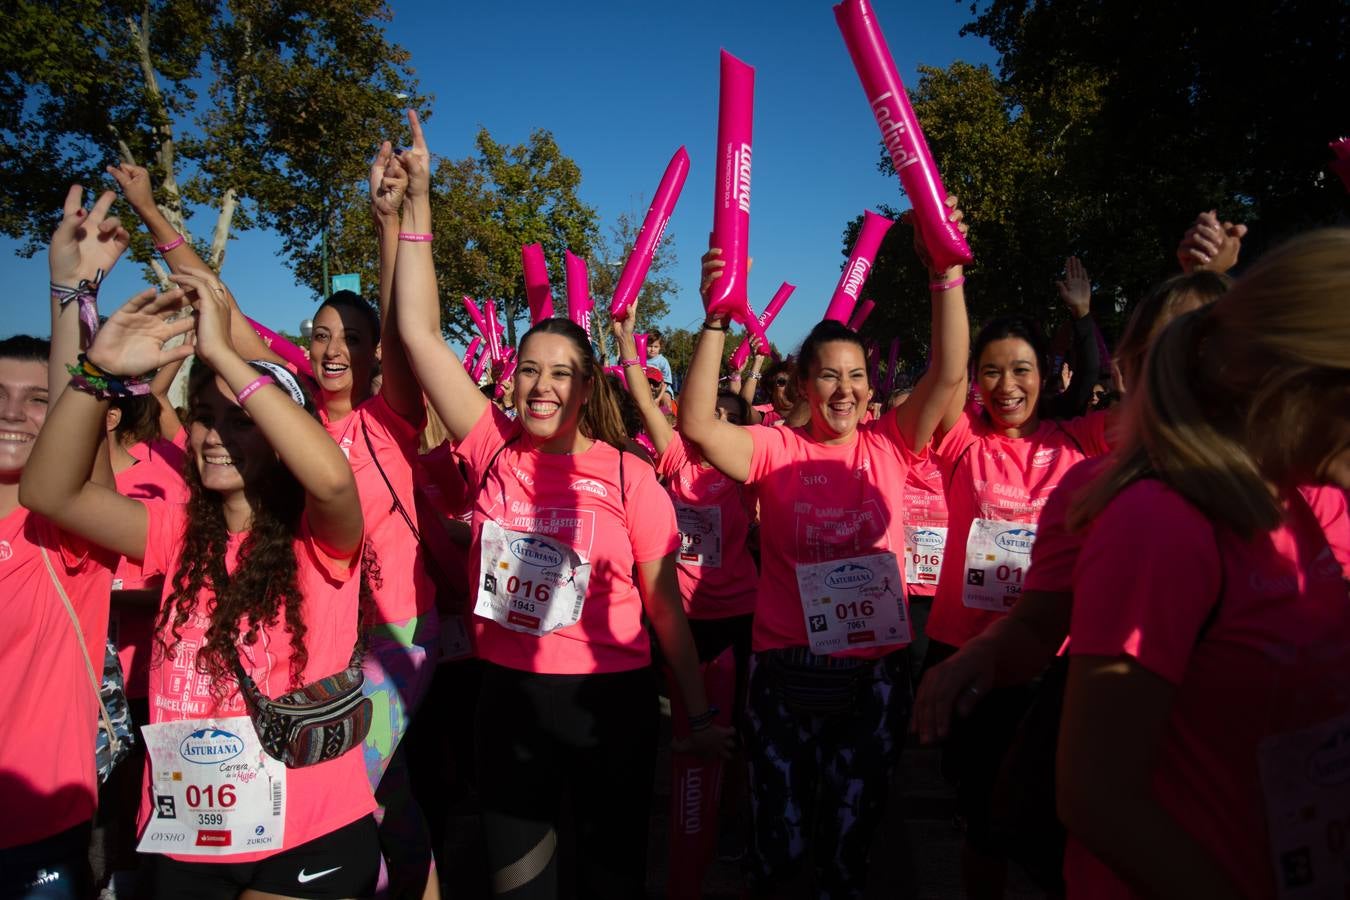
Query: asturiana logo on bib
[[207, 746], [1330, 763], [1016, 540], [849, 577], [536, 552], [928, 539], [590, 487]]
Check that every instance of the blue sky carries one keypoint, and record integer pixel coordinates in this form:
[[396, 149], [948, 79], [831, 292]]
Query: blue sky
[[622, 85]]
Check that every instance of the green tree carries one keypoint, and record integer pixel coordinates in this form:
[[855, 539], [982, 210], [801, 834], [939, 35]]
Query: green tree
[[250, 107]]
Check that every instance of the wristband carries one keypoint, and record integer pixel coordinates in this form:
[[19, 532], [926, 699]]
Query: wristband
[[947, 285], [414, 237], [252, 387], [90, 379], [757, 375], [630, 362], [708, 326], [86, 294], [171, 245], [704, 719]]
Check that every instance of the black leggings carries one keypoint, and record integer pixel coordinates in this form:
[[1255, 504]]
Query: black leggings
[[566, 761]]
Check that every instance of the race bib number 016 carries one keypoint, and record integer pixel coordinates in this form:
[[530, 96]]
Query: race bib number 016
[[923, 554], [700, 535], [853, 603], [997, 556], [1305, 777], [216, 792], [529, 583]]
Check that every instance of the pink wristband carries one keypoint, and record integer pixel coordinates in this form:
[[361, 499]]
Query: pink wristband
[[171, 245], [630, 362], [414, 237], [947, 285], [252, 387]]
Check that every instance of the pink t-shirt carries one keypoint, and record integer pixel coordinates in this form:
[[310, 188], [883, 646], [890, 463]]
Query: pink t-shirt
[[925, 505], [1057, 547], [320, 798], [818, 503], [157, 475], [49, 708], [1003, 479], [1274, 659], [404, 591], [574, 499], [442, 495], [717, 575]]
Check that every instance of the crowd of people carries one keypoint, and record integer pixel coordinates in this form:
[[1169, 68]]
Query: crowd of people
[[262, 637]]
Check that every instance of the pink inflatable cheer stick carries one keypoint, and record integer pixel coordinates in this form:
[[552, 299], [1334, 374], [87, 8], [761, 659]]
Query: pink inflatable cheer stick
[[578, 291], [293, 355], [900, 132], [845, 297], [508, 371], [641, 341], [492, 333], [479, 364], [649, 236], [765, 320], [1342, 164], [469, 352], [860, 314], [477, 315], [731, 196], [890, 365], [537, 291], [874, 363]]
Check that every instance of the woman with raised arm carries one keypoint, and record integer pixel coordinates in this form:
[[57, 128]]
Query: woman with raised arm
[[378, 433], [1203, 742], [261, 598], [829, 683], [562, 519]]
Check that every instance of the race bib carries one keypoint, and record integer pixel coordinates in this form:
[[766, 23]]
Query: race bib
[[923, 553], [700, 535], [529, 583], [853, 603], [215, 790], [997, 556], [1305, 777]]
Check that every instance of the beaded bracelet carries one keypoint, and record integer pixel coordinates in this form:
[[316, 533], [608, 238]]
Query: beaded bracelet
[[414, 237], [756, 375], [86, 295], [630, 362], [171, 245], [90, 379], [947, 285], [252, 387]]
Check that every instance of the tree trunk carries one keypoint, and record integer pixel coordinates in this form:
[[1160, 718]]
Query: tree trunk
[[221, 235]]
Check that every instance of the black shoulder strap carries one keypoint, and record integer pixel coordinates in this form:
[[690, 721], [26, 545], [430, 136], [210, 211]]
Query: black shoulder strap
[[393, 495]]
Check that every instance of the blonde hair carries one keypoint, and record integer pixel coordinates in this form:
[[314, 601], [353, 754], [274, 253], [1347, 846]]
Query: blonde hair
[[1244, 393]]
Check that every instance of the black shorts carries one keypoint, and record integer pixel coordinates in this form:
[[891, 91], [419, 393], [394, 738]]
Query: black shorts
[[342, 863]]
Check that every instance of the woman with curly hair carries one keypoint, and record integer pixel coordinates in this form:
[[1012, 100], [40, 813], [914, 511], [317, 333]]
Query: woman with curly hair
[[261, 587]]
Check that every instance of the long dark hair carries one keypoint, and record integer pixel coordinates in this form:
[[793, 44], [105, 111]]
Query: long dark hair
[[601, 418], [264, 586]]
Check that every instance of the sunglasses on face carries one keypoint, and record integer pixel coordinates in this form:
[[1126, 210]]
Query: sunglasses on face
[[780, 382]]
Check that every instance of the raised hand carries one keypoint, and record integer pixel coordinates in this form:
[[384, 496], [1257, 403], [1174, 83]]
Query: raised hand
[[1076, 288], [86, 241], [211, 300], [416, 161], [131, 343], [388, 183], [1210, 244], [921, 247], [135, 184], [624, 325], [713, 264]]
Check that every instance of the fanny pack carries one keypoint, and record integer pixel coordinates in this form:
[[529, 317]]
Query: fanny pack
[[314, 723], [811, 685]]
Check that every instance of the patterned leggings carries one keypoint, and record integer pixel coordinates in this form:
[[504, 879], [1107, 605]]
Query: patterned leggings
[[398, 668], [823, 739]]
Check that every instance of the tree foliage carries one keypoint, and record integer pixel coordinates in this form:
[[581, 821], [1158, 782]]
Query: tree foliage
[[249, 106]]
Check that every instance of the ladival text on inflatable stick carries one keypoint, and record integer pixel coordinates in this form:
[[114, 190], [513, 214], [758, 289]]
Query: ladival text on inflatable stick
[[476, 314], [765, 320], [292, 354], [900, 132], [731, 198], [578, 290], [847, 291], [649, 236], [860, 314], [493, 334], [537, 291]]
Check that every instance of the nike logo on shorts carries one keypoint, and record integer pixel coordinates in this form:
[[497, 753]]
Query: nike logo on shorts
[[306, 877]]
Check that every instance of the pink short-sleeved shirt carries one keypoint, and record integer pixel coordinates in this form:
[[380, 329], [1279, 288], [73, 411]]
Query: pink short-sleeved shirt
[[1274, 658], [991, 476], [1057, 546], [320, 798], [821, 502], [50, 708], [405, 591], [157, 475], [925, 505], [574, 499], [729, 588]]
